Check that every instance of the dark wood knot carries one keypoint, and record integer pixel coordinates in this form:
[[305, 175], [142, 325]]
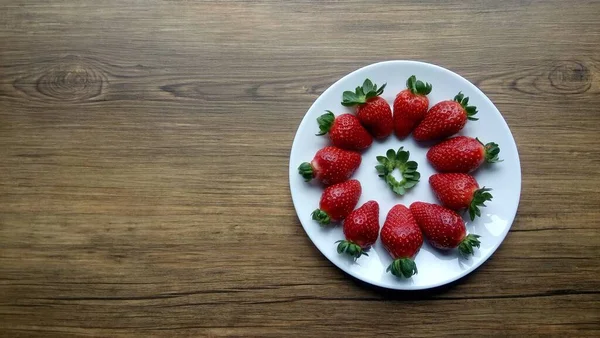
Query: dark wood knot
[[71, 78], [570, 77]]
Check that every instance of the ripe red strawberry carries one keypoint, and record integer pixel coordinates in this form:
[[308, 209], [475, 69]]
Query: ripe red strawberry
[[361, 229], [402, 238], [445, 118], [345, 131], [330, 165], [460, 191], [410, 106], [462, 154], [337, 202], [443, 228], [372, 110]]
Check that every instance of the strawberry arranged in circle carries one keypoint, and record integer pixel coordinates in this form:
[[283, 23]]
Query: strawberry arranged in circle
[[345, 131], [330, 165], [445, 118], [337, 202], [361, 229], [402, 238], [410, 106], [372, 110], [443, 228], [460, 191], [462, 154]]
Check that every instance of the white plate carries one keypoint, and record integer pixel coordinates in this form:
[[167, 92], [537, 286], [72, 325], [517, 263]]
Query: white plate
[[435, 268]]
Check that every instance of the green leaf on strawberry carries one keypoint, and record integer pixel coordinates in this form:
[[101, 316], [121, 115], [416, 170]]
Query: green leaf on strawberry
[[480, 196], [491, 151], [361, 94], [403, 267], [325, 122], [464, 102], [398, 160], [350, 248], [418, 87], [466, 245]]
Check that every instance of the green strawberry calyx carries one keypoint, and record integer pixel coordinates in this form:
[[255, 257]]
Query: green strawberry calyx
[[464, 102], [418, 87], [306, 170], [403, 267], [398, 160], [361, 94], [350, 248], [321, 217], [325, 122], [491, 151], [466, 246], [480, 196]]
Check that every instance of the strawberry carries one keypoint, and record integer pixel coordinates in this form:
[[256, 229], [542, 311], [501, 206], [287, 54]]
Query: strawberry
[[361, 229], [330, 165], [372, 110], [410, 106], [462, 154], [337, 202], [460, 191], [345, 131], [443, 228], [445, 118], [402, 238]]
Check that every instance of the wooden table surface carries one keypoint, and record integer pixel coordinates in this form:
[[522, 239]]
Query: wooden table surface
[[144, 151]]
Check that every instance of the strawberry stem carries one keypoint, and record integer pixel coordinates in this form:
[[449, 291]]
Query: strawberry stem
[[361, 94], [398, 160], [325, 122], [306, 170], [418, 87], [321, 217], [350, 248], [466, 246], [403, 267], [464, 102], [491, 151], [480, 196]]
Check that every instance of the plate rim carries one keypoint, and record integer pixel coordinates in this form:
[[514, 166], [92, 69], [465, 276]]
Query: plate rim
[[405, 287]]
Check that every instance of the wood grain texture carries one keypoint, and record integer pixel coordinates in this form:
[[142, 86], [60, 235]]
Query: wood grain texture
[[144, 152]]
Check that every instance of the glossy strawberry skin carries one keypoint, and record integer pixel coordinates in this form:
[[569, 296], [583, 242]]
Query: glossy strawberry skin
[[409, 110], [458, 191], [400, 234], [443, 228], [331, 165], [454, 190], [338, 200], [362, 225], [348, 133], [376, 116], [460, 154], [444, 119]]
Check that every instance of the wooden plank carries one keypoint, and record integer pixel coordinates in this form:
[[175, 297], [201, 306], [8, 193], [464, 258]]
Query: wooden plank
[[144, 151]]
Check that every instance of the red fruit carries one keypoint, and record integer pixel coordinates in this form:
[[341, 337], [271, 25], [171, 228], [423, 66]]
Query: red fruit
[[372, 110], [410, 106], [337, 202], [331, 165], [445, 118], [345, 131], [460, 191], [462, 154], [361, 229], [402, 238], [443, 228]]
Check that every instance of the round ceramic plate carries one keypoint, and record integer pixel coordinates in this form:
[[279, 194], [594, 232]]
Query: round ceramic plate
[[435, 267]]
